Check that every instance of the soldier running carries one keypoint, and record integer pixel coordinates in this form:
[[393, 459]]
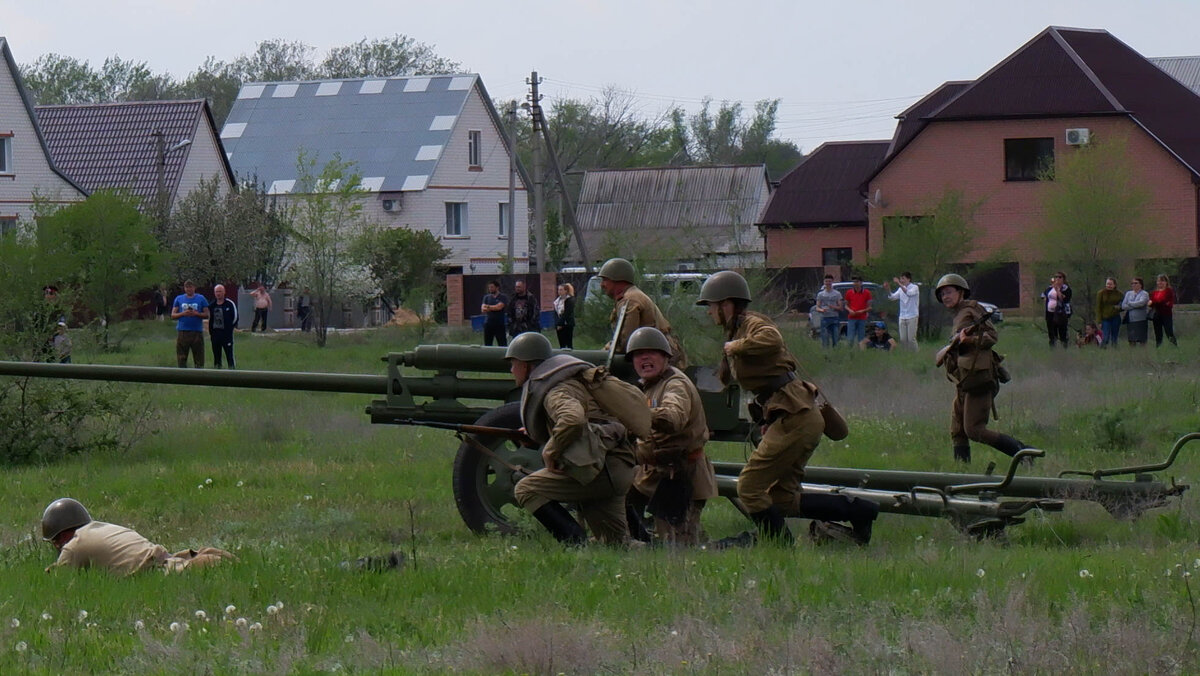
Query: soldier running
[[756, 357], [588, 459], [636, 308], [973, 367], [673, 473]]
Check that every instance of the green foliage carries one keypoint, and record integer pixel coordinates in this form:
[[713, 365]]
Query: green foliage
[[404, 261], [58, 79], [104, 250], [49, 420], [1097, 211], [558, 238], [391, 56], [225, 237], [1117, 429], [724, 137]]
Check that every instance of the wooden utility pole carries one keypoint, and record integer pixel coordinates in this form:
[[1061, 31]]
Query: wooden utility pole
[[511, 232], [569, 205], [539, 193]]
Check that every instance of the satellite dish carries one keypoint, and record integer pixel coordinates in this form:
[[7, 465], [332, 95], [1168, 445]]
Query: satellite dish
[[876, 200]]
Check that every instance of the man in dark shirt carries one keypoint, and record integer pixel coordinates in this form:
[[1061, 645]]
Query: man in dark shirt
[[221, 323], [878, 338], [524, 313], [493, 307]]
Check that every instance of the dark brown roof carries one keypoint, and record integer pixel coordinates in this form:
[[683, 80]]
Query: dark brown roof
[[824, 189], [912, 121], [111, 145]]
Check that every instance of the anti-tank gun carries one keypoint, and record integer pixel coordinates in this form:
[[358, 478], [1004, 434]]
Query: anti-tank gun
[[470, 385]]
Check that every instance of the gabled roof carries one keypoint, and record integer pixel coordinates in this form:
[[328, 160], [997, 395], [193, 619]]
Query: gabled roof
[[112, 145], [825, 188], [1186, 69], [912, 120], [393, 128], [1077, 72], [27, 101]]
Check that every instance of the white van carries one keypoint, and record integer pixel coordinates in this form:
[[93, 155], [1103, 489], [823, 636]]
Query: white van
[[674, 287]]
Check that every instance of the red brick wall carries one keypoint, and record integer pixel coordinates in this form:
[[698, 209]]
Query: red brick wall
[[454, 300], [969, 156], [801, 247]]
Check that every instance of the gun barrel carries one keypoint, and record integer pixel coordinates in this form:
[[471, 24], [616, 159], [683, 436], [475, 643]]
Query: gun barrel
[[486, 359], [270, 380]]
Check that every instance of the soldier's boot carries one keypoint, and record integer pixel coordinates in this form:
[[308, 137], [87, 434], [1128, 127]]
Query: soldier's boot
[[771, 526], [860, 514], [962, 453], [561, 524], [637, 522], [1010, 446]]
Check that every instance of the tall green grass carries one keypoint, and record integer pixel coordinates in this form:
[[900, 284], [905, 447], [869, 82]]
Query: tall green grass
[[295, 483]]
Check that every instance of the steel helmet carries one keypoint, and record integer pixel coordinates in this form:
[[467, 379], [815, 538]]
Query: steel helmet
[[529, 346], [62, 514], [617, 270], [646, 338], [952, 280], [724, 285]]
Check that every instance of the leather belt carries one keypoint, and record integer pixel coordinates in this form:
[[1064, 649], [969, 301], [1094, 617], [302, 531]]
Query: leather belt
[[762, 394]]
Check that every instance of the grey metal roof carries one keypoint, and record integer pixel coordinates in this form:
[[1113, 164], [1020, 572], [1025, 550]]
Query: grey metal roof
[[111, 145], [1186, 69], [700, 203], [394, 129], [27, 101]]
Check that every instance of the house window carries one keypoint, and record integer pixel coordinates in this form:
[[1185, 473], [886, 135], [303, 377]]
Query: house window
[[504, 219], [8, 225], [6, 155], [474, 141], [836, 256], [456, 219], [1028, 159]]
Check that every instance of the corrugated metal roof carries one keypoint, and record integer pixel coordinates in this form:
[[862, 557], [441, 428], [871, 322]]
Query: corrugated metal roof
[[111, 145], [825, 188], [710, 205], [1186, 69], [386, 126]]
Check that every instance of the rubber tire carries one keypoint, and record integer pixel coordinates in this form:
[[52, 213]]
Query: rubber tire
[[483, 487]]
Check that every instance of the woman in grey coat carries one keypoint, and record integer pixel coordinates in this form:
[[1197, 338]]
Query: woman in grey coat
[[1134, 304]]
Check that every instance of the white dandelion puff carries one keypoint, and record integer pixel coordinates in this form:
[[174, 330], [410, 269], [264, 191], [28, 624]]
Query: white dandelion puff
[[1085, 573], [279, 605], [240, 483], [175, 626], [82, 615], [47, 616], [230, 609], [14, 623], [271, 610], [139, 625], [201, 615], [241, 621], [208, 482], [21, 646], [257, 626], [980, 573]]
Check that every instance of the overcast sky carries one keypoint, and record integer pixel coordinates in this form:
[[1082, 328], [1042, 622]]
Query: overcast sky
[[842, 70]]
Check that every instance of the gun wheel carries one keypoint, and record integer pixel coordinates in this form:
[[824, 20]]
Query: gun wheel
[[483, 487]]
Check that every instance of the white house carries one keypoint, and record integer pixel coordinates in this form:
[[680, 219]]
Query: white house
[[430, 150]]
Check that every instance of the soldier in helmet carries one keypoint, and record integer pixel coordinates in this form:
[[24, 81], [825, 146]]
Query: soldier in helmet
[[673, 473], [588, 458], [85, 543], [973, 367], [616, 280], [757, 359]]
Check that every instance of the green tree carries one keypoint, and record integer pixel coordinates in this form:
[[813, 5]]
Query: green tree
[[105, 251], [404, 261], [326, 217], [395, 55], [216, 81], [725, 137], [1096, 211]]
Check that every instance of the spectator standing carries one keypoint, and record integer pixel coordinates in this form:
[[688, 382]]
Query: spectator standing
[[829, 306], [493, 307], [1058, 308], [62, 344], [858, 307], [262, 307], [564, 316], [190, 309], [909, 297], [223, 320], [524, 313], [304, 310], [1162, 303], [1108, 311], [162, 303], [1134, 304]]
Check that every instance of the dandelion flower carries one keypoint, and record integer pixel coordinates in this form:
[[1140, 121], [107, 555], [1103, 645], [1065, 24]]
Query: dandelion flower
[[1168, 572], [980, 573], [241, 483], [139, 625], [241, 621], [1187, 573], [82, 615], [1196, 563], [279, 605], [308, 497], [201, 615], [349, 638], [751, 584], [271, 610], [201, 486], [674, 632], [14, 623], [175, 626], [257, 626], [230, 609], [47, 616], [208, 482], [1085, 573], [21, 646]]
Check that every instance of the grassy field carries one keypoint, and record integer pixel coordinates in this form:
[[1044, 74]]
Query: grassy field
[[296, 483]]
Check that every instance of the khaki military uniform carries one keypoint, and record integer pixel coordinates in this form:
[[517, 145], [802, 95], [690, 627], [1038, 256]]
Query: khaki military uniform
[[123, 551], [585, 441], [759, 362], [675, 449], [970, 368], [641, 311]]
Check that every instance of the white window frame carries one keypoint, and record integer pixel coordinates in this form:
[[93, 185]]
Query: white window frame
[[475, 148], [503, 231], [6, 166], [456, 219]]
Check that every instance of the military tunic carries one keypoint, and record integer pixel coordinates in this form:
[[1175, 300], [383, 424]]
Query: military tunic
[[123, 551], [676, 449], [759, 361], [641, 311], [588, 444], [970, 367]]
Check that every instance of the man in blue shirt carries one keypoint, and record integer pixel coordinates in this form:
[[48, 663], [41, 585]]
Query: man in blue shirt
[[189, 310]]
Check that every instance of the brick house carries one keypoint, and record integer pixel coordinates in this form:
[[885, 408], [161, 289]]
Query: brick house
[[988, 137], [818, 216]]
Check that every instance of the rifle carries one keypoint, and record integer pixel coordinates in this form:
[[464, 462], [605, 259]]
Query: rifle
[[461, 431], [940, 358]]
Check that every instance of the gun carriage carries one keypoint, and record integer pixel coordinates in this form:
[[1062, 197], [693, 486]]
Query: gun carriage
[[441, 385]]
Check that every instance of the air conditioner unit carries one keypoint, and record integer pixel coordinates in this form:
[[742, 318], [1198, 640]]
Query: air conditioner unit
[[1078, 137], [392, 204]]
